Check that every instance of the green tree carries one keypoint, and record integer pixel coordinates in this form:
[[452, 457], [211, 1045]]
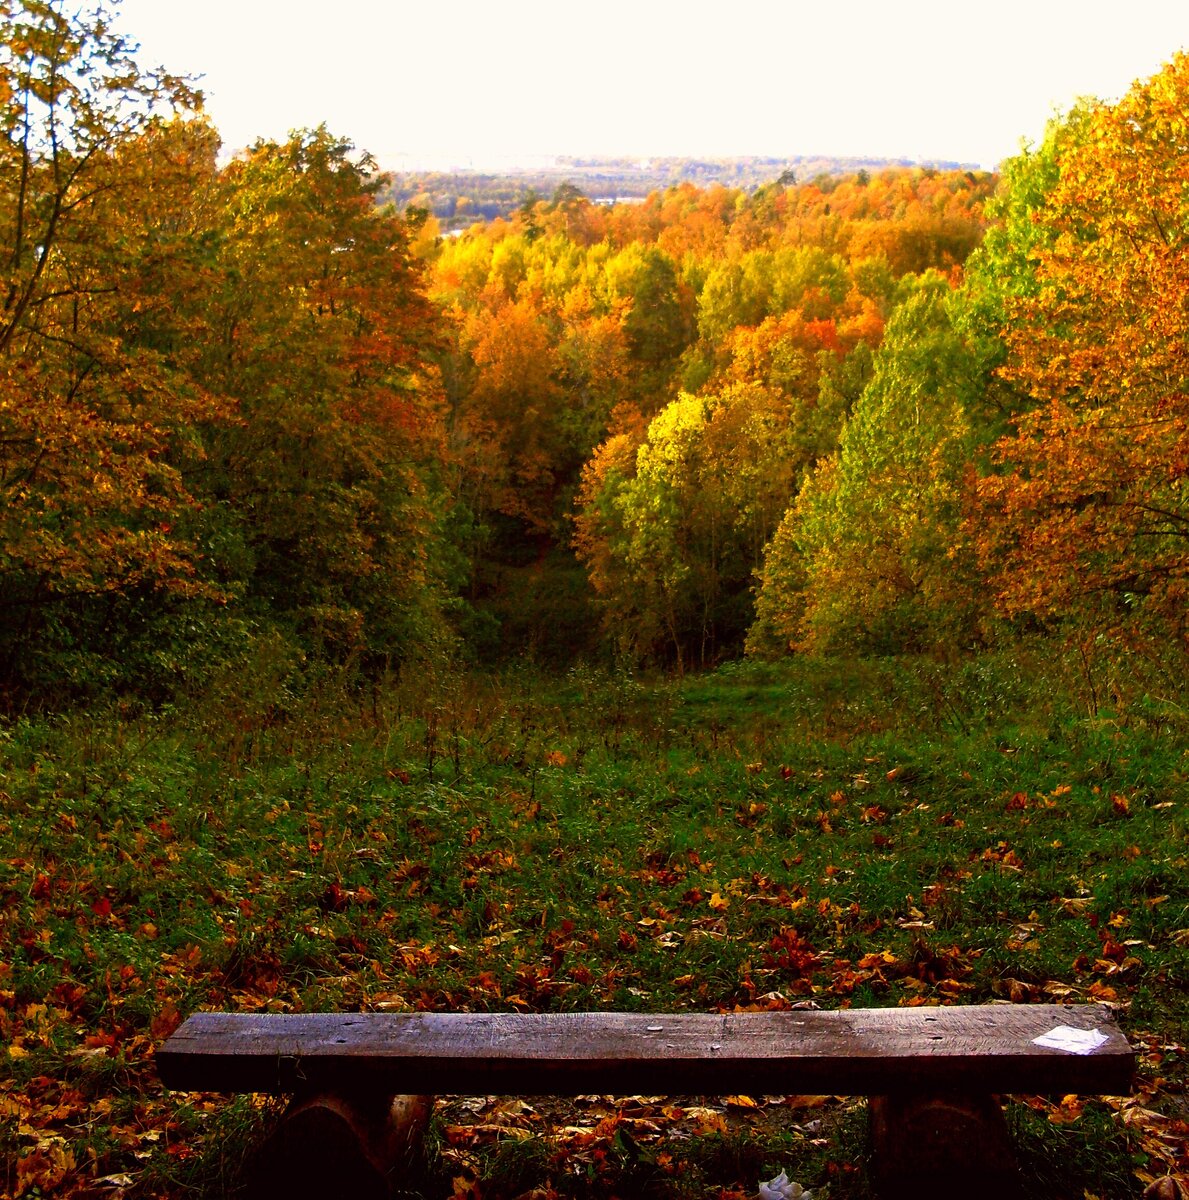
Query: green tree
[[658, 320], [869, 557], [735, 293], [331, 477]]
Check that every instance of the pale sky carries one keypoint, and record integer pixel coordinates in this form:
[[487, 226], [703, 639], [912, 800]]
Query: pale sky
[[479, 82]]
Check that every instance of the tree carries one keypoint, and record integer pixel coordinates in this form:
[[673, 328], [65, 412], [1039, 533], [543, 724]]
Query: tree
[[96, 412], [733, 295], [506, 433], [658, 321], [1087, 515], [321, 331], [869, 557], [671, 528]]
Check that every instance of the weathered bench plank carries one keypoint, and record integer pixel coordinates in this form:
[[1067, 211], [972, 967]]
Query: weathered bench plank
[[977, 1049]]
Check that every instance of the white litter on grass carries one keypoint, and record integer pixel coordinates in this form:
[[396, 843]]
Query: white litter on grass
[[1073, 1041], [783, 1188]]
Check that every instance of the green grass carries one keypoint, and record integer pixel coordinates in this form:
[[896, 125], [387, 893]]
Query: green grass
[[848, 832]]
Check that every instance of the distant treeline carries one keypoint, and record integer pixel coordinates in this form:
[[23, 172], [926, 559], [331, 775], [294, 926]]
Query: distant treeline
[[461, 197]]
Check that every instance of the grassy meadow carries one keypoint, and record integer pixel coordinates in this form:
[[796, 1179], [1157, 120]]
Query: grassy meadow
[[844, 833]]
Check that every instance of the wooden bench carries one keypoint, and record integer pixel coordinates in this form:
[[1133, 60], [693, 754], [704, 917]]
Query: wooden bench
[[932, 1074]]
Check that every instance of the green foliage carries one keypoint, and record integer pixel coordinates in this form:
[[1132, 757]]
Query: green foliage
[[328, 476], [657, 323], [1002, 270], [734, 293], [869, 558]]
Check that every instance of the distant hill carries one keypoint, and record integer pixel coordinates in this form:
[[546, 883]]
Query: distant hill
[[462, 196]]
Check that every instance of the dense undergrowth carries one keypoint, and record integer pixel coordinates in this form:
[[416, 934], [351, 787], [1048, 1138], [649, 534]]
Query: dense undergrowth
[[867, 833]]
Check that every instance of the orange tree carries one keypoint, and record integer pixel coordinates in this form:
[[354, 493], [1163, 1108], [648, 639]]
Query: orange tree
[[96, 420], [1087, 515]]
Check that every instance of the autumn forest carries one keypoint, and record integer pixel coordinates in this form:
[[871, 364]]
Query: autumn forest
[[918, 410], [333, 544]]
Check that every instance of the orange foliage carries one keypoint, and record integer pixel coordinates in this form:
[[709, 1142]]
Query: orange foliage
[[1090, 511]]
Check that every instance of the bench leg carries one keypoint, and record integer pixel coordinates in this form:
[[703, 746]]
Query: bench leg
[[927, 1146], [331, 1144]]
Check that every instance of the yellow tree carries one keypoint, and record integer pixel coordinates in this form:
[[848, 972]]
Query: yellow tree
[[672, 529]]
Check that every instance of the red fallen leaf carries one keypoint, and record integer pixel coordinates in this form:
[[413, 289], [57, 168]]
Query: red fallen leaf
[[41, 887], [460, 1135], [786, 772], [790, 951], [69, 994], [100, 1040], [486, 981], [102, 907]]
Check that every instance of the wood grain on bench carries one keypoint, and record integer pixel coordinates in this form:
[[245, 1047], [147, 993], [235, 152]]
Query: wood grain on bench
[[985, 1048]]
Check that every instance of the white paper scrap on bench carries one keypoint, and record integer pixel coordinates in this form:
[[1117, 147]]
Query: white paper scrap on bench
[[1073, 1041]]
